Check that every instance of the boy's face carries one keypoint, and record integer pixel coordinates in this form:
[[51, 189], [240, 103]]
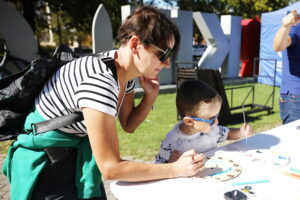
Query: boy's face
[[207, 111]]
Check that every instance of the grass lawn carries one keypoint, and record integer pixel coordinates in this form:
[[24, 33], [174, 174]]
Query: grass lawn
[[145, 142]]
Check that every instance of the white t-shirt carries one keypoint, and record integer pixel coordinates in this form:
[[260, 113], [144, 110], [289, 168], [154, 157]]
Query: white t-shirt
[[200, 142], [84, 82]]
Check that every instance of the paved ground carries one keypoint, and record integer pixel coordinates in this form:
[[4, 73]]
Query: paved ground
[[4, 185]]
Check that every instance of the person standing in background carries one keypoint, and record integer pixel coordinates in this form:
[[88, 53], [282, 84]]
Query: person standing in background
[[287, 40]]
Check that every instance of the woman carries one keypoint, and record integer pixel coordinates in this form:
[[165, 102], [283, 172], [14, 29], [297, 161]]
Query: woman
[[147, 40]]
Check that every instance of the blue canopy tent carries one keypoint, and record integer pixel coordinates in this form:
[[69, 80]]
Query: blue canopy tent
[[270, 23]]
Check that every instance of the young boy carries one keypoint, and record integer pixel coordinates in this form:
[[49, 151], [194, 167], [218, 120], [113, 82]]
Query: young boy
[[198, 105]]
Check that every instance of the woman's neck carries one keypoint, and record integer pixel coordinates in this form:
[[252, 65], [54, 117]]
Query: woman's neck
[[126, 69]]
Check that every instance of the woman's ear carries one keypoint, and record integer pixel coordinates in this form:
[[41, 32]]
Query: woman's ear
[[134, 41], [188, 121]]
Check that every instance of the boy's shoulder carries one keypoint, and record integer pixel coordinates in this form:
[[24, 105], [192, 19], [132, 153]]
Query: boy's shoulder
[[173, 132], [218, 129], [222, 128]]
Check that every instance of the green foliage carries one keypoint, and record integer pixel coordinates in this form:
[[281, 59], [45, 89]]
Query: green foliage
[[244, 8], [212, 6], [75, 16], [252, 8]]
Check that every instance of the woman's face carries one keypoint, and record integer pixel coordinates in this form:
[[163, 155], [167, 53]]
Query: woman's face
[[149, 59]]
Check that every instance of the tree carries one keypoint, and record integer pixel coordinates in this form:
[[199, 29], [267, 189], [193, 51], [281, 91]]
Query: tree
[[70, 17], [244, 8], [252, 8], [212, 6], [77, 15], [27, 9]]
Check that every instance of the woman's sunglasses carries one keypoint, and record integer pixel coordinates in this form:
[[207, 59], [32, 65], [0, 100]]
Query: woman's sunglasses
[[164, 54], [210, 121]]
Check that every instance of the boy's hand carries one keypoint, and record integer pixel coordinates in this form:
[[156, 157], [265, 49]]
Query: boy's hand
[[247, 130], [175, 155]]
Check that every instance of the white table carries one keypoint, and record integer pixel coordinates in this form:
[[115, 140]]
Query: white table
[[284, 139]]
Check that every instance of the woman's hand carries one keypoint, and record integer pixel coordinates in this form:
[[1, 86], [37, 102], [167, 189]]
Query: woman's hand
[[189, 164], [150, 86], [175, 155], [247, 130]]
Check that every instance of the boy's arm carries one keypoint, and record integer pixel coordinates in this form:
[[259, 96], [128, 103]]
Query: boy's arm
[[234, 134], [163, 154], [175, 155], [166, 153]]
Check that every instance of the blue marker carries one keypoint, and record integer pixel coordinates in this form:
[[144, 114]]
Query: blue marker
[[282, 157], [222, 172]]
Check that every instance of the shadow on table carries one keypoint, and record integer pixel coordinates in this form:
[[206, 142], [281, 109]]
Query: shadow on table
[[257, 142], [142, 183]]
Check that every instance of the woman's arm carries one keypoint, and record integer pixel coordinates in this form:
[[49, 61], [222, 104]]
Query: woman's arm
[[130, 116], [104, 143]]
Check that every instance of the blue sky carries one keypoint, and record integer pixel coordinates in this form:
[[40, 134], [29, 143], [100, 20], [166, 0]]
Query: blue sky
[[159, 4]]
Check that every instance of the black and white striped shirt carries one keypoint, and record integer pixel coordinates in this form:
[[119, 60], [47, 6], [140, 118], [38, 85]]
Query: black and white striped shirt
[[84, 82]]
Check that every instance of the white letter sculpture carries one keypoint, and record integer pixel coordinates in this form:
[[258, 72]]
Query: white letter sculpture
[[102, 31], [232, 28], [18, 35], [217, 44]]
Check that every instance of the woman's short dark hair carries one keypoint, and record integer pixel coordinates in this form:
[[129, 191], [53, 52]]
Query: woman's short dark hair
[[151, 27], [191, 93]]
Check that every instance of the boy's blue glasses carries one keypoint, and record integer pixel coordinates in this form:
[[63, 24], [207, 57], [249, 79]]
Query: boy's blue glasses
[[210, 121]]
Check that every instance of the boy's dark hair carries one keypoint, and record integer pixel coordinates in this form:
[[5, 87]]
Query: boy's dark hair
[[191, 93], [151, 27]]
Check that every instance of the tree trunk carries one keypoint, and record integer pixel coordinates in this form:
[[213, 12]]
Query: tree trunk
[[28, 12], [59, 27]]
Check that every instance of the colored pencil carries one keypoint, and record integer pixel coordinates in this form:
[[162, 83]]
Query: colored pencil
[[251, 182]]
